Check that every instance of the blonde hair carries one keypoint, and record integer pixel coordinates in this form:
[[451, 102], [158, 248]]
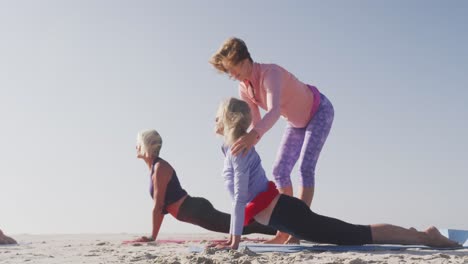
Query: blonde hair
[[235, 118], [150, 142], [233, 51]]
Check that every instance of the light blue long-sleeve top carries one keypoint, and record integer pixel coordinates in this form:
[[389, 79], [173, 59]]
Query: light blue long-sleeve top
[[244, 178]]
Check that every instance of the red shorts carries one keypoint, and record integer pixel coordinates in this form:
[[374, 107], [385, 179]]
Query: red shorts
[[260, 202]]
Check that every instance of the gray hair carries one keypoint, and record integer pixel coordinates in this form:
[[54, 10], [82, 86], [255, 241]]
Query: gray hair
[[150, 142]]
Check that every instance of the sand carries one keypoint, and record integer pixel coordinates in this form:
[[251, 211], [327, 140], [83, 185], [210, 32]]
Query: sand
[[108, 248]]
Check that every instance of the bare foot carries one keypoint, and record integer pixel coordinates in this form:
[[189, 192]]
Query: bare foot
[[280, 238], [5, 239], [436, 239], [292, 240]]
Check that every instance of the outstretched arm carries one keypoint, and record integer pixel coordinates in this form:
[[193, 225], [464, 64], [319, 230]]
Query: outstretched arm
[[161, 176], [272, 84], [241, 175]]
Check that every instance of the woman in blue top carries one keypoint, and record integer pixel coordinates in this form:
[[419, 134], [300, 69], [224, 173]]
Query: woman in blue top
[[170, 197], [254, 197]]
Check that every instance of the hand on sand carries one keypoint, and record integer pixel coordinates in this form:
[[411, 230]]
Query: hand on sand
[[222, 246], [143, 239], [218, 245]]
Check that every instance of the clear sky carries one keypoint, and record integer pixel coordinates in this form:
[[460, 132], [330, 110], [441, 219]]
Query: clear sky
[[79, 79]]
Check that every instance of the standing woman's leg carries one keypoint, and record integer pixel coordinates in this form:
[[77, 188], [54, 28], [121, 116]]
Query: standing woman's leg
[[315, 136], [288, 154], [286, 158]]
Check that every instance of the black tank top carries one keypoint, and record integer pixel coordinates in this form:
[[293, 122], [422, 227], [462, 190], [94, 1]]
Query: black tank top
[[173, 191]]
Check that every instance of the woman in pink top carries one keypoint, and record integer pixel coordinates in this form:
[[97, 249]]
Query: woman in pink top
[[309, 115]]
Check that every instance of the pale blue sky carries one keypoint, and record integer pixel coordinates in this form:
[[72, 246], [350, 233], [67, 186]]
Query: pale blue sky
[[79, 79]]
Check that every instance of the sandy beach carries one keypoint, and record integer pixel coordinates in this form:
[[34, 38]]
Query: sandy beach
[[108, 248]]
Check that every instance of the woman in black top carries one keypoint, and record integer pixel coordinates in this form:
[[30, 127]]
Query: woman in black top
[[170, 197]]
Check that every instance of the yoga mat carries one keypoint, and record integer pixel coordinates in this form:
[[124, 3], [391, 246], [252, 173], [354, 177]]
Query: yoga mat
[[461, 236], [183, 241], [261, 248], [10, 245]]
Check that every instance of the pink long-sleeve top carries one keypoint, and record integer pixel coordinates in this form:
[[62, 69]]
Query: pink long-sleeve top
[[278, 92]]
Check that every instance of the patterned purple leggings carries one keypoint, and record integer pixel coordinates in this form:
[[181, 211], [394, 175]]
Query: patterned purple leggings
[[306, 142]]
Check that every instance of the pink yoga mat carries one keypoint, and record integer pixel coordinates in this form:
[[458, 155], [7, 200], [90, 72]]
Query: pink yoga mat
[[182, 241]]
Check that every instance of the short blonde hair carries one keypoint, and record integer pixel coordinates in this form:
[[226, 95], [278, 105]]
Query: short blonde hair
[[150, 142], [233, 51], [235, 118]]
